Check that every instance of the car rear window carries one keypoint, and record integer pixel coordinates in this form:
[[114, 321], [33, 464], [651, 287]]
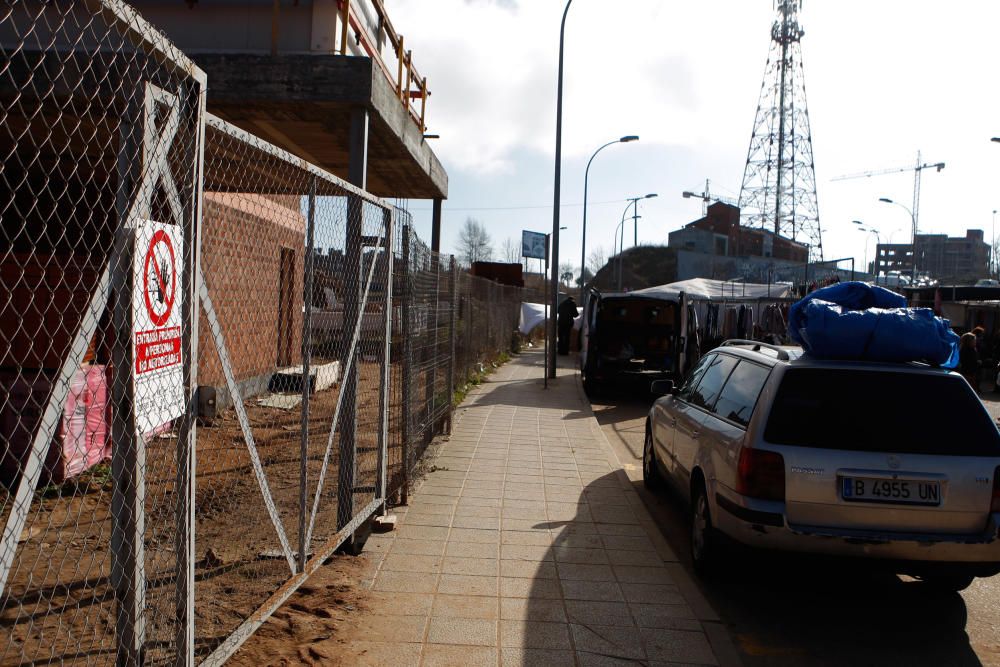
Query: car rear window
[[881, 411]]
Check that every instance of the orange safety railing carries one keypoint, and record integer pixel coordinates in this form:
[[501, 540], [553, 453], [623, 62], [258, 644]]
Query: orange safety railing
[[410, 86]]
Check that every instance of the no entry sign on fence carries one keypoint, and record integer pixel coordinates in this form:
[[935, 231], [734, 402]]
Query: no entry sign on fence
[[156, 325]]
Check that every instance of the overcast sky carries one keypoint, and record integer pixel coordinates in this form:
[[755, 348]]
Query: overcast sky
[[884, 79]]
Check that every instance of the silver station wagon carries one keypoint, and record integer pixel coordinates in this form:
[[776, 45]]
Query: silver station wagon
[[895, 463]]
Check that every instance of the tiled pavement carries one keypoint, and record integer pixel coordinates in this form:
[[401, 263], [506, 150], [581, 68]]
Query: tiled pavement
[[528, 546]]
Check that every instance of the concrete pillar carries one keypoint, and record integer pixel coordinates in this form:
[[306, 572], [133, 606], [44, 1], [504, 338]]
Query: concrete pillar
[[436, 226], [357, 175]]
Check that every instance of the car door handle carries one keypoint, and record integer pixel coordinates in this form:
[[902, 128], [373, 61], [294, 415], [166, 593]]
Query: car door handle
[[695, 434], [673, 422]]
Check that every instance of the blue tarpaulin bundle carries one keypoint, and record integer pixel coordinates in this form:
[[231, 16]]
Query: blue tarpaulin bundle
[[858, 321]]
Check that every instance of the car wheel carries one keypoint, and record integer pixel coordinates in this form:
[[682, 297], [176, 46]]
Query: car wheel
[[948, 583], [704, 545], [650, 472]]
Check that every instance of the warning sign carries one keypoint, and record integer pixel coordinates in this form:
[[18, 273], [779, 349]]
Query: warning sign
[[156, 325]]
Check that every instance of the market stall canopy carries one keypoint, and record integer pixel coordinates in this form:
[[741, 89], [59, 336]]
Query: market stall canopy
[[532, 314], [706, 289]]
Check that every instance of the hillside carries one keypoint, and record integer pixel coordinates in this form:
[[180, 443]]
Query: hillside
[[642, 266]]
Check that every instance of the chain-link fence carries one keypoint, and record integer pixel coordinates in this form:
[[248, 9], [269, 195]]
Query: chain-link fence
[[294, 375], [100, 144], [454, 325], [217, 358]]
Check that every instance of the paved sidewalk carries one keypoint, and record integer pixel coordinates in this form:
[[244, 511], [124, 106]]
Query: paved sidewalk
[[527, 545]]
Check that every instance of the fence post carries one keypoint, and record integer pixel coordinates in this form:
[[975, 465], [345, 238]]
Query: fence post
[[407, 363], [431, 379], [452, 335], [188, 436], [348, 417], [358, 169], [127, 450], [307, 291], [383, 433]]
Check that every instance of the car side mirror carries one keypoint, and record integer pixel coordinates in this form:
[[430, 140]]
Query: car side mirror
[[662, 387]]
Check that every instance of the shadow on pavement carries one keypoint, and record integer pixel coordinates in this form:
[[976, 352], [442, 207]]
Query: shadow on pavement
[[785, 610], [522, 393], [604, 586]]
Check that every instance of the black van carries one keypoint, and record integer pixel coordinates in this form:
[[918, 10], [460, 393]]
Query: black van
[[631, 340]]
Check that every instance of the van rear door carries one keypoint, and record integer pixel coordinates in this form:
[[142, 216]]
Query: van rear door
[[590, 303]]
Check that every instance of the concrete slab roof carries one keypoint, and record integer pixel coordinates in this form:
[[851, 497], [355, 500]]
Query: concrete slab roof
[[303, 103]]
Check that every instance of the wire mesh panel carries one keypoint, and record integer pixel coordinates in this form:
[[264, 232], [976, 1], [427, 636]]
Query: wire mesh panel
[[296, 290], [100, 145], [427, 341], [248, 453]]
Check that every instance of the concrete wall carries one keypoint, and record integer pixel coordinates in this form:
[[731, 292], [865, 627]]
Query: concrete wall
[[244, 26], [753, 269]]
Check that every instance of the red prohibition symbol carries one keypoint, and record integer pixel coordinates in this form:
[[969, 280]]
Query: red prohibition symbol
[[161, 295]]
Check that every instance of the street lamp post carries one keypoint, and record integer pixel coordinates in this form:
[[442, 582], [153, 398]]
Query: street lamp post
[[913, 241], [550, 371], [586, 178], [993, 244], [632, 202], [635, 221], [868, 232]]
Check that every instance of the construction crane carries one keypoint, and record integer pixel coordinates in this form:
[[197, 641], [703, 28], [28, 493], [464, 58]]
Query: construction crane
[[916, 169], [707, 197]]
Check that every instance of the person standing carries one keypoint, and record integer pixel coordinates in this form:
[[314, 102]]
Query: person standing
[[968, 360], [567, 313]]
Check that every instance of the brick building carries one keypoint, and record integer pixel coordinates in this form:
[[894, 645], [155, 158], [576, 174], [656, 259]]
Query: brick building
[[720, 233], [253, 249]]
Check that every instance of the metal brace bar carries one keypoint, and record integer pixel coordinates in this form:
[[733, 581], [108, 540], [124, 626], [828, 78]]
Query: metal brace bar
[[348, 363], [232, 643], [258, 469]]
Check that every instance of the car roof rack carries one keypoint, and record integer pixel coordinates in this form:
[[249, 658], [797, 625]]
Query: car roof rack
[[757, 346]]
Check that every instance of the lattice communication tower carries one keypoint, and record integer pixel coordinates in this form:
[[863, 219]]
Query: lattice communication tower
[[779, 181]]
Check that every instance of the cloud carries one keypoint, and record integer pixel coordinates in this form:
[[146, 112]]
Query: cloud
[[506, 4], [686, 77]]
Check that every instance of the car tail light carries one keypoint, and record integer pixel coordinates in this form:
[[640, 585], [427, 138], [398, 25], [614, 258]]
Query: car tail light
[[761, 474], [995, 503]]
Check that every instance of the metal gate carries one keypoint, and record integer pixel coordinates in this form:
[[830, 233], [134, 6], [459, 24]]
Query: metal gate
[[101, 141], [297, 292]]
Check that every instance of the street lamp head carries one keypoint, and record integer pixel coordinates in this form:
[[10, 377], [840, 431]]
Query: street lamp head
[[687, 195], [631, 137], [651, 195], [886, 200]]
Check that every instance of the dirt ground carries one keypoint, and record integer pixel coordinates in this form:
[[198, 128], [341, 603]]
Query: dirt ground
[[319, 623], [60, 605]]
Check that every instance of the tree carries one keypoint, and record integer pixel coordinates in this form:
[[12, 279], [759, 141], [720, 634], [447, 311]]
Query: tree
[[587, 276], [474, 243], [566, 274], [510, 251], [598, 258]]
